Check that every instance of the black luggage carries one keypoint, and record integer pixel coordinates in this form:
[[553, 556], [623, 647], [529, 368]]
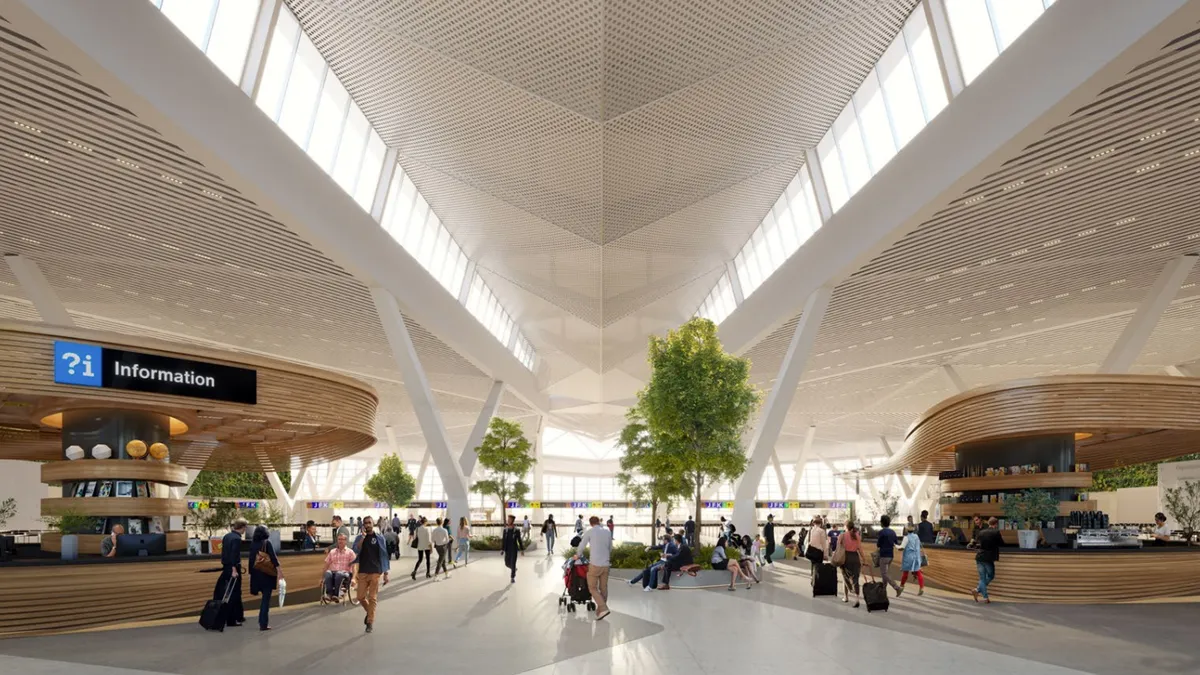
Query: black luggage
[[215, 614], [875, 595], [824, 580]]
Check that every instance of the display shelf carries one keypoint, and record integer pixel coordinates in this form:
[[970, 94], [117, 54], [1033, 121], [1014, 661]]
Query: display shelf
[[56, 473], [136, 507], [997, 509], [1018, 482]]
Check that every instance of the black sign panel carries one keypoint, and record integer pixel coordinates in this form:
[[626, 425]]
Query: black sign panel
[[178, 377]]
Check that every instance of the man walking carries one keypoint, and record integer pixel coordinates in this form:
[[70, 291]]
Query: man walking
[[579, 524], [372, 563], [340, 529], [689, 532], [231, 573], [511, 545], [550, 529], [769, 535], [526, 528], [989, 541], [599, 539]]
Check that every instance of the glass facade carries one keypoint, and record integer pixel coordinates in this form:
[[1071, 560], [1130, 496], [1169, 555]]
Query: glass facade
[[984, 28]]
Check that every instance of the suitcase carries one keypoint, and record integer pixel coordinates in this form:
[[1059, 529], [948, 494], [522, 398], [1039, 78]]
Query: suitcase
[[215, 614], [875, 595], [824, 580]]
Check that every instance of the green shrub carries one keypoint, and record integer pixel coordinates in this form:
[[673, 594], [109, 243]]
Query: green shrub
[[634, 556], [485, 543]]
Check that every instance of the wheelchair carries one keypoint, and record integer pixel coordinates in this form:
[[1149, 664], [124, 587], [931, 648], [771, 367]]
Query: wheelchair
[[345, 592]]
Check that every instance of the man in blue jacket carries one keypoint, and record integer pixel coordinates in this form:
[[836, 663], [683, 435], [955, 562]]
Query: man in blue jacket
[[372, 562]]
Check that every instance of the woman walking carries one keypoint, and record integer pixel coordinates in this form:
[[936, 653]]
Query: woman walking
[[421, 542], [851, 543], [464, 542], [550, 529], [264, 573], [911, 563], [818, 546], [441, 542]]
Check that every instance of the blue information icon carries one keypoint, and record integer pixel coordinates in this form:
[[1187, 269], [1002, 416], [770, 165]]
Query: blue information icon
[[77, 363]]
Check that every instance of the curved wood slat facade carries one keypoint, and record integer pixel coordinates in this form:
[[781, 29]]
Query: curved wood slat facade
[[114, 469], [302, 413], [140, 507], [89, 544], [1065, 577], [1155, 416], [44, 599]]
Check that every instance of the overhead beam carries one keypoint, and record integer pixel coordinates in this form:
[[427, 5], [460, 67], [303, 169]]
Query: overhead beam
[[38, 290], [1180, 370], [1137, 332], [1088, 44], [297, 479], [467, 459], [260, 40], [838, 474], [134, 53], [423, 403], [775, 410]]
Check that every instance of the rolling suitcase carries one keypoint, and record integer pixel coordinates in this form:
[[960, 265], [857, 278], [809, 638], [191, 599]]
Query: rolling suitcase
[[215, 614], [824, 580], [875, 595]]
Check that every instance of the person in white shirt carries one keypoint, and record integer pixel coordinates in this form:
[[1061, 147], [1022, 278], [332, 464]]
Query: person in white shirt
[[441, 542], [1161, 531], [422, 542], [599, 539]]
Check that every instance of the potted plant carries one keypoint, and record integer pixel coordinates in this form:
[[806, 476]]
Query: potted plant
[[70, 524], [1030, 509], [198, 522], [273, 517], [1183, 504], [8, 509]]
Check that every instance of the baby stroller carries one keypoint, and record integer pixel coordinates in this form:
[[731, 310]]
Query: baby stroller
[[345, 592], [576, 587]]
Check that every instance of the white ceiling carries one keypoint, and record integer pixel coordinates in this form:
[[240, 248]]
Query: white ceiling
[[602, 160]]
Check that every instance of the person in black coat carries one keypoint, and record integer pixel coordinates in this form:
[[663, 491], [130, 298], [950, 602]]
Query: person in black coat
[[231, 559], [769, 535], [262, 583], [511, 545]]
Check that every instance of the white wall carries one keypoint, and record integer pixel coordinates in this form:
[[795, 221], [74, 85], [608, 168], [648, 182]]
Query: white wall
[[23, 480], [1129, 505]]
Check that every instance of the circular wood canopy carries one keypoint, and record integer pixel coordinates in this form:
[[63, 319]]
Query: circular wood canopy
[[55, 473], [1117, 419], [302, 413]]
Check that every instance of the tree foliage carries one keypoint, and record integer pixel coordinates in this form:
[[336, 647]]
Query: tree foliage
[[649, 473], [1183, 504], [236, 485], [392, 483], [506, 455], [698, 404], [1031, 508], [1133, 475], [885, 504], [8, 510]]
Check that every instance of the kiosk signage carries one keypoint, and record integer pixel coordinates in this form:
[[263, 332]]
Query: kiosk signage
[[95, 366]]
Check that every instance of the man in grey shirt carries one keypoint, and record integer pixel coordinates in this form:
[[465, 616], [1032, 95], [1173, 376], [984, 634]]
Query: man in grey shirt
[[599, 539], [108, 545]]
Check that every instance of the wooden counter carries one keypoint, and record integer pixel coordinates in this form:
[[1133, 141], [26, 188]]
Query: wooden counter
[[1069, 576], [41, 597]]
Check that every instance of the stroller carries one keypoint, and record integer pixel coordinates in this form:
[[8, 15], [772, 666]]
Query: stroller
[[576, 587]]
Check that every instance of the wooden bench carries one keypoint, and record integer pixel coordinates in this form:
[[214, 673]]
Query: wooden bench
[[690, 570]]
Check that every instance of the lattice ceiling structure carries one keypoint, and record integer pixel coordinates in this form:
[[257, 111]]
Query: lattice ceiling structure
[[602, 161]]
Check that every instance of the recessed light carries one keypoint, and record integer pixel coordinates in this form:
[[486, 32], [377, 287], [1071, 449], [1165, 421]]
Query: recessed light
[[988, 313], [26, 127], [1012, 186], [1055, 170], [989, 261], [976, 294], [1089, 288], [1103, 153], [127, 163], [1161, 245], [1019, 252], [79, 146], [908, 313], [1148, 167], [1152, 135], [1118, 281], [36, 158], [1052, 242], [1061, 296], [74, 278]]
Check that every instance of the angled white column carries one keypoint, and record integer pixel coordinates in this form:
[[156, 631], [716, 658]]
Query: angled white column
[[1137, 332], [424, 405], [260, 41], [816, 175], [887, 450], [538, 471], [38, 290], [801, 462], [1180, 370], [956, 381], [943, 44], [281, 495], [385, 181], [735, 282], [421, 471], [490, 405], [869, 482], [770, 421], [778, 472], [297, 480], [838, 475]]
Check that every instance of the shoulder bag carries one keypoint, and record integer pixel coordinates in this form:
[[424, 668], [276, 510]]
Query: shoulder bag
[[262, 562], [839, 556]]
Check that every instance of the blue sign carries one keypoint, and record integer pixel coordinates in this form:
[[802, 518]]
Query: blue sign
[[440, 505], [77, 363]]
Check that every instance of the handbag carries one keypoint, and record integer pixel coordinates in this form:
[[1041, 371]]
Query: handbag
[[262, 563], [814, 555], [874, 558], [924, 559], [839, 557]]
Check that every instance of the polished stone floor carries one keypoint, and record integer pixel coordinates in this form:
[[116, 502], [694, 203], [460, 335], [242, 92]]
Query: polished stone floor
[[478, 622]]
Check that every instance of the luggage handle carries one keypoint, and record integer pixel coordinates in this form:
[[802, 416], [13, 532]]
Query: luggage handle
[[228, 591]]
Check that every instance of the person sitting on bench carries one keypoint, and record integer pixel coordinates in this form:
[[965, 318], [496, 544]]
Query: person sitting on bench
[[649, 576], [681, 559]]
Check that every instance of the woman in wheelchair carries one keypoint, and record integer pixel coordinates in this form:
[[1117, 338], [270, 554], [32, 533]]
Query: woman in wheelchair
[[338, 571]]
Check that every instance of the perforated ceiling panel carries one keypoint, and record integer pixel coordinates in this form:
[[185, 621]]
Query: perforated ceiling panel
[[135, 236]]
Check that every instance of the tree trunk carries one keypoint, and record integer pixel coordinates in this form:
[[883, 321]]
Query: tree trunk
[[653, 521], [503, 510], [699, 510]]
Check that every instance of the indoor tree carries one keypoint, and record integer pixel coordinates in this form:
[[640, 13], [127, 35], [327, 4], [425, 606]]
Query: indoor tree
[[698, 403], [1183, 504], [8, 509], [506, 455], [648, 472], [392, 483]]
